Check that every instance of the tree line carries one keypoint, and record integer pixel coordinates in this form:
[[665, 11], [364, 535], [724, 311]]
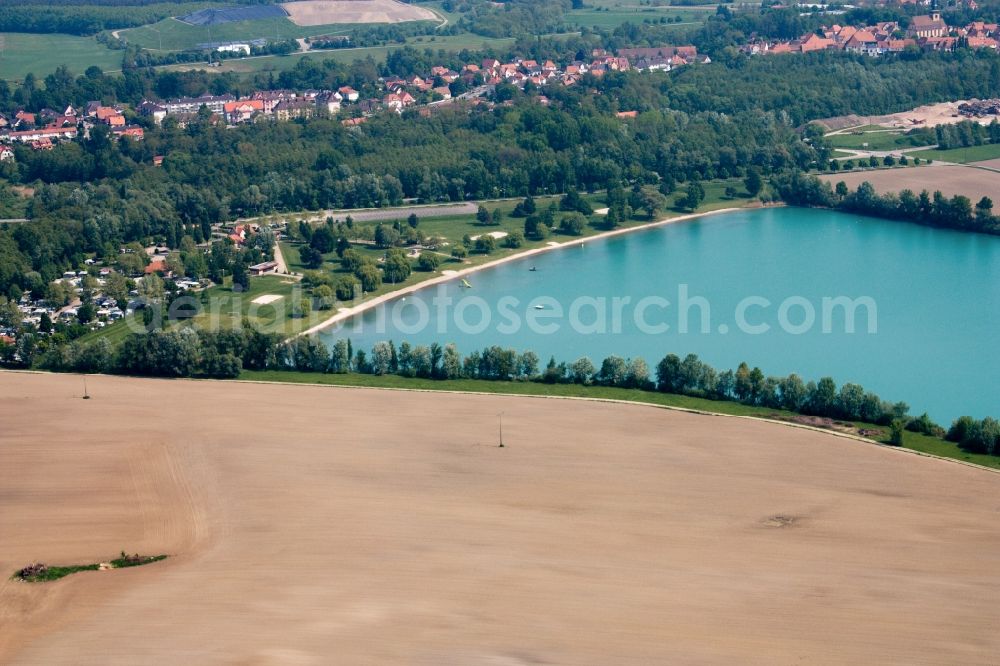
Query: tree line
[[191, 352], [936, 210]]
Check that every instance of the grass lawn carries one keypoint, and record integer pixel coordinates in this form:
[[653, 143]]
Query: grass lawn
[[989, 151], [913, 441], [879, 140], [940, 447], [715, 195], [348, 56], [115, 333], [224, 309], [173, 35], [614, 17], [40, 54]]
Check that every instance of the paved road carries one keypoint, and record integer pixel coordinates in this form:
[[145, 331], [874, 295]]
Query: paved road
[[855, 154], [401, 213], [280, 259]]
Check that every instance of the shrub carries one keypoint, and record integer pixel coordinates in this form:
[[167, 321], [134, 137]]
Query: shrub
[[428, 261]]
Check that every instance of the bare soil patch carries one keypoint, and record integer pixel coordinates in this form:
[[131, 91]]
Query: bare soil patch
[[989, 164], [950, 180], [386, 527], [328, 12], [929, 115]]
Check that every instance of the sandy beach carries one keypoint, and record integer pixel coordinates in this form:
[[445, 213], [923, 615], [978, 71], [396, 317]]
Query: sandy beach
[[303, 529], [346, 313]]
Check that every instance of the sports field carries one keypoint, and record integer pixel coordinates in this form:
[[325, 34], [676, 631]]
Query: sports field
[[312, 524]]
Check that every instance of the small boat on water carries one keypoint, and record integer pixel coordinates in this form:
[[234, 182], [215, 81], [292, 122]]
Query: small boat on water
[[539, 307], [532, 269], [465, 284]]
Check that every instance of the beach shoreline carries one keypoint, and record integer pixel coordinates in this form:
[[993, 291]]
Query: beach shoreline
[[348, 313]]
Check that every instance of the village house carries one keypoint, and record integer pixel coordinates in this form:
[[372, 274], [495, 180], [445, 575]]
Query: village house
[[271, 98], [46, 134], [265, 267], [133, 132], [398, 101], [23, 119], [329, 102], [294, 108], [349, 93], [152, 110], [242, 111]]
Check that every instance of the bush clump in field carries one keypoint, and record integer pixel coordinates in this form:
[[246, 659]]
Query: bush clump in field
[[38, 572], [35, 573], [135, 560]]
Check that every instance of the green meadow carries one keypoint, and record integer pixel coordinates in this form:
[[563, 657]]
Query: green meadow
[[450, 43], [173, 35], [881, 140], [987, 151], [24, 53]]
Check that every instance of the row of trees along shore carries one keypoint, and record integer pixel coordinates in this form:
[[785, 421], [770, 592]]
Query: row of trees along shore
[[932, 209], [194, 353]]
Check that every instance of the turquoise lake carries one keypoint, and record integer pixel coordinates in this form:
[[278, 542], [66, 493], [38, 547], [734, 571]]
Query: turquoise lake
[[932, 296]]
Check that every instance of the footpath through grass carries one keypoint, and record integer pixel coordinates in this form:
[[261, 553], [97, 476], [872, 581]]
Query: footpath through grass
[[913, 441]]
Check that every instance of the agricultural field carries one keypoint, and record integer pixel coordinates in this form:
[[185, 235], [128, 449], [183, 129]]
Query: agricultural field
[[304, 521], [326, 12], [610, 14], [950, 180], [24, 53]]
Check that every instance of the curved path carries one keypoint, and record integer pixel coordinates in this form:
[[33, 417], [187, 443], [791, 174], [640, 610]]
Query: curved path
[[315, 525]]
